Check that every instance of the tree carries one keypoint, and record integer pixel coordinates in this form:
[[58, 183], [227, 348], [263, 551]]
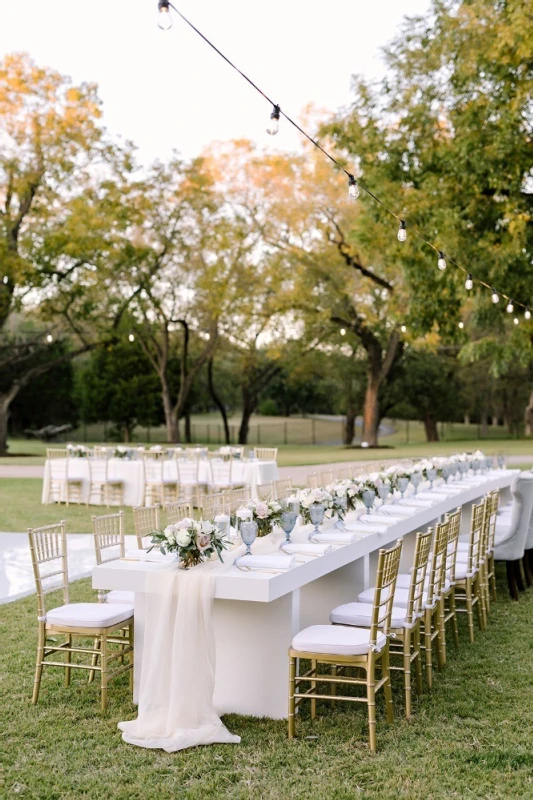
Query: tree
[[57, 202]]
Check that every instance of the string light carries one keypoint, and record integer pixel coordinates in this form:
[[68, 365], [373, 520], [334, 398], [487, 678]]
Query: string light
[[131, 338], [164, 20], [515, 320], [49, 338], [5, 279], [273, 127], [461, 325], [404, 329], [343, 331], [353, 188], [510, 307], [402, 231]]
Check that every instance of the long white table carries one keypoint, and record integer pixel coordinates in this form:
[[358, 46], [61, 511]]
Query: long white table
[[131, 473], [256, 614]]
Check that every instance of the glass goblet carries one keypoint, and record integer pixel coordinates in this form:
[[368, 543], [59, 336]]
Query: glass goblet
[[287, 522], [383, 492], [402, 484], [431, 475], [341, 506], [316, 513], [248, 532], [501, 461], [416, 480], [368, 496]]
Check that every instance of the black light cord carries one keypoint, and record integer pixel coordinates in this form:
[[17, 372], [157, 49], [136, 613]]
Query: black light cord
[[335, 161]]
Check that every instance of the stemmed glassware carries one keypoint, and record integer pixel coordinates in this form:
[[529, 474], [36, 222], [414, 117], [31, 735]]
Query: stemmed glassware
[[416, 480], [288, 519], [402, 484], [248, 532], [316, 513], [501, 461], [368, 496], [341, 506], [431, 475], [383, 492]]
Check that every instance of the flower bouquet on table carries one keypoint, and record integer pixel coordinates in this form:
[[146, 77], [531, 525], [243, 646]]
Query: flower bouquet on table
[[193, 541], [266, 513], [317, 498], [76, 451], [344, 496]]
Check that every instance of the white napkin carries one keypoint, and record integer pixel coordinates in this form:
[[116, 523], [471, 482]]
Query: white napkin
[[144, 555], [334, 537], [307, 549], [397, 511], [385, 518], [415, 502], [275, 563], [367, 528]]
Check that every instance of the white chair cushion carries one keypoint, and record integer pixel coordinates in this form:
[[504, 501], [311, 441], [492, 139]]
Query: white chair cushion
[[89, 615], [118, 596], [360, 614], [336, 640], [401, 597], [463, 547], [461, 571]]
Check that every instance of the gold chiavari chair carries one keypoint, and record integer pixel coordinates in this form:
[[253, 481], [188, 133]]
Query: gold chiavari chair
[[467, 572], [109, 545], [62, 487], [492, 515], [342, 646], [326, 477], [405, 618], [237, 498], [213, 504], [283, 488], [98, 621], [266, 453], [101, 451], [157, 487], [178, 511], [146, 520], [313, 481], [103, 489], [265, 491], [431, 617], [344, 473], [448, 610]]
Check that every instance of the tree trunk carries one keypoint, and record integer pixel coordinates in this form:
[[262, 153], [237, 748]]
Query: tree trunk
[[430, 425], [349, 427], [484, 424], [528, 416], [126, 433], [171, 417], [249, 404], [371, 411], [4, 417], [217, 401], [188, 434]]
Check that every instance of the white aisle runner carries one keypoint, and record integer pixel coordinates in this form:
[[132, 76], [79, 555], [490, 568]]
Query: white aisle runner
[[178, 669]]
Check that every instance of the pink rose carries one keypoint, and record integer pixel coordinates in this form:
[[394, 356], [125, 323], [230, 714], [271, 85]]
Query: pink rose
[[203, 540], [261, 510]]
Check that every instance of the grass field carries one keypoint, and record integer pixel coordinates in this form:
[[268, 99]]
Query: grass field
[[469, 738]]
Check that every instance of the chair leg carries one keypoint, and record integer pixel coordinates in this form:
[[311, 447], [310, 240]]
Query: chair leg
[[94, 660], [481, 608], [371, 700], [387, 689], [132, 654], [493, 576], [455, 626], [418, 660], [292, 677], [38, 668], [333, 673], [104, 673], [428, 648], [469, 608], [518, 574], [407, 671], [68, 655], [442, 631], [527, 569], [313, 689], [511, 583]]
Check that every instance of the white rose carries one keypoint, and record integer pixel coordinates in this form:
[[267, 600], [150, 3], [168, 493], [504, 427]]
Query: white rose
[[183, 538], [183, 524], [243, 513], [261, 510], [207, 527], [275, 506]]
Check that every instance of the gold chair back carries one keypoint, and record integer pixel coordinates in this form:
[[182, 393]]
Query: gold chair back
[[454, 520], [344, 473], [237, 498], [418, 574], [213, 504], [178, 511], [108, 532], [313, 481], [146, 519], [387, 572], [265, 491], [48, 546], [477, 535], [282, 488], [492, 511], [437, 571], [266, 453], [326, 477], [56, 452], [101, 451], [154, 455]]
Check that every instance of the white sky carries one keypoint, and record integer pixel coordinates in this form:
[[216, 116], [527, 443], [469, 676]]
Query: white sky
[[167, 90]]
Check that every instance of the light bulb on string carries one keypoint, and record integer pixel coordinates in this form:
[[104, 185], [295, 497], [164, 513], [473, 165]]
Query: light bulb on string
[[49, 338], [510, 307], [516, 320], [164, 20], [495, 296], [5, 280], [343, 331], [273, 126], [402, 231], [461, 325], [441, 263], [404, 329], [131, 337], [353, 188], [469, 283], [527, 314]]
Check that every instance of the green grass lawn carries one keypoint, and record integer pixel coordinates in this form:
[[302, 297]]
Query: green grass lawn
[[470, 737]]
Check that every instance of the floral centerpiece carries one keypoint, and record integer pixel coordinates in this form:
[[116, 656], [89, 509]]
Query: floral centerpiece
[[76, 451], [308, 497], [266, 513], [194, 541]]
